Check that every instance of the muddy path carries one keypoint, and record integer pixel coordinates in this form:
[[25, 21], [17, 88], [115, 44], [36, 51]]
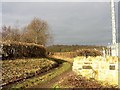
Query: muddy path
[[55, 80]]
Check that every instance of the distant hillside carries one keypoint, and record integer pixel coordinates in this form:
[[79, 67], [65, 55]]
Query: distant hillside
[[69, 48]]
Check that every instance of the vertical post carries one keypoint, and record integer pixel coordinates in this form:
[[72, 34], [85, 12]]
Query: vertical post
[[114, 43], [104, 52], [113, 23]]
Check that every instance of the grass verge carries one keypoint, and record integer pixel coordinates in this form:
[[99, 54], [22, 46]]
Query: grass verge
[[41, 79]]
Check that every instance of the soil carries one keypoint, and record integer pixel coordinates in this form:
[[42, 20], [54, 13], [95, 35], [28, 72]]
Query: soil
[[69, 79], [50, 83]]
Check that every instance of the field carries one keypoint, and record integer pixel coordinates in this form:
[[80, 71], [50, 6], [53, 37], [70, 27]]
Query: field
[[37, 72], [36, 82], [19, 69]]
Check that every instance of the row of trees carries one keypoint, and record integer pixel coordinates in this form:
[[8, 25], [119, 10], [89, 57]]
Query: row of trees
[[35, 32]]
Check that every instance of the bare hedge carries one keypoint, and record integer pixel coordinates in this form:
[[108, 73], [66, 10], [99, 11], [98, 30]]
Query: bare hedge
[[13, 50], [88, 52], [81, 52]]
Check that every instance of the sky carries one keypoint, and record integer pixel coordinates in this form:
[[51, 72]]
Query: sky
[[82, 23], [0, 13], [118, 22]]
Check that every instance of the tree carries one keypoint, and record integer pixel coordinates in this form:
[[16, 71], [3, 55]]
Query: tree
[[36, 32], [11, 34]]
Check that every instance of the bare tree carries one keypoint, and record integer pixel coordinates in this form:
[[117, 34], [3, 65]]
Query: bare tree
[[11, 34], [36, 32]]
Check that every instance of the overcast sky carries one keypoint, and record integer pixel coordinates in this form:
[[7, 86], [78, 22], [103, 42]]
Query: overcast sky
[[70, 23]]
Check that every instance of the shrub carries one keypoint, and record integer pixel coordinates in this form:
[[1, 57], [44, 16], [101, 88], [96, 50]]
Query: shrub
[[88, 52], [13, 50]]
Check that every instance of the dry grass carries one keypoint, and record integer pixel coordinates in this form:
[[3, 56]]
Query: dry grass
[[14, 70]]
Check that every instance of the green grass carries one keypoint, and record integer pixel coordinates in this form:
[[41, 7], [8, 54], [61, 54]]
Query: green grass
[[41, 79], [56, 86]]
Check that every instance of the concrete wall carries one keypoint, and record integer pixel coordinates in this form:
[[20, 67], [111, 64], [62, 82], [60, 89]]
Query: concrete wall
[[99, 68]]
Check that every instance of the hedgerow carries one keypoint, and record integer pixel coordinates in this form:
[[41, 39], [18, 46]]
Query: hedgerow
[[13, 50]]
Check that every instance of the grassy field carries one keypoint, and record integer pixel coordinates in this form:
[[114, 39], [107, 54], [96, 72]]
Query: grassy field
[[45, 78], [29, 70], [15, 70]]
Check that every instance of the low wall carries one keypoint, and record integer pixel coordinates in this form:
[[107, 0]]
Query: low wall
[[99, 68]]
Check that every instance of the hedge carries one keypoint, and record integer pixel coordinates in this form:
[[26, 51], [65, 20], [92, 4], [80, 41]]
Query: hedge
[[81, 52], [88, 52], [13, 50]]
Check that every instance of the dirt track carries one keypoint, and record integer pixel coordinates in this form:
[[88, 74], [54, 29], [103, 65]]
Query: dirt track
[[69, 79], [50, 83]]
